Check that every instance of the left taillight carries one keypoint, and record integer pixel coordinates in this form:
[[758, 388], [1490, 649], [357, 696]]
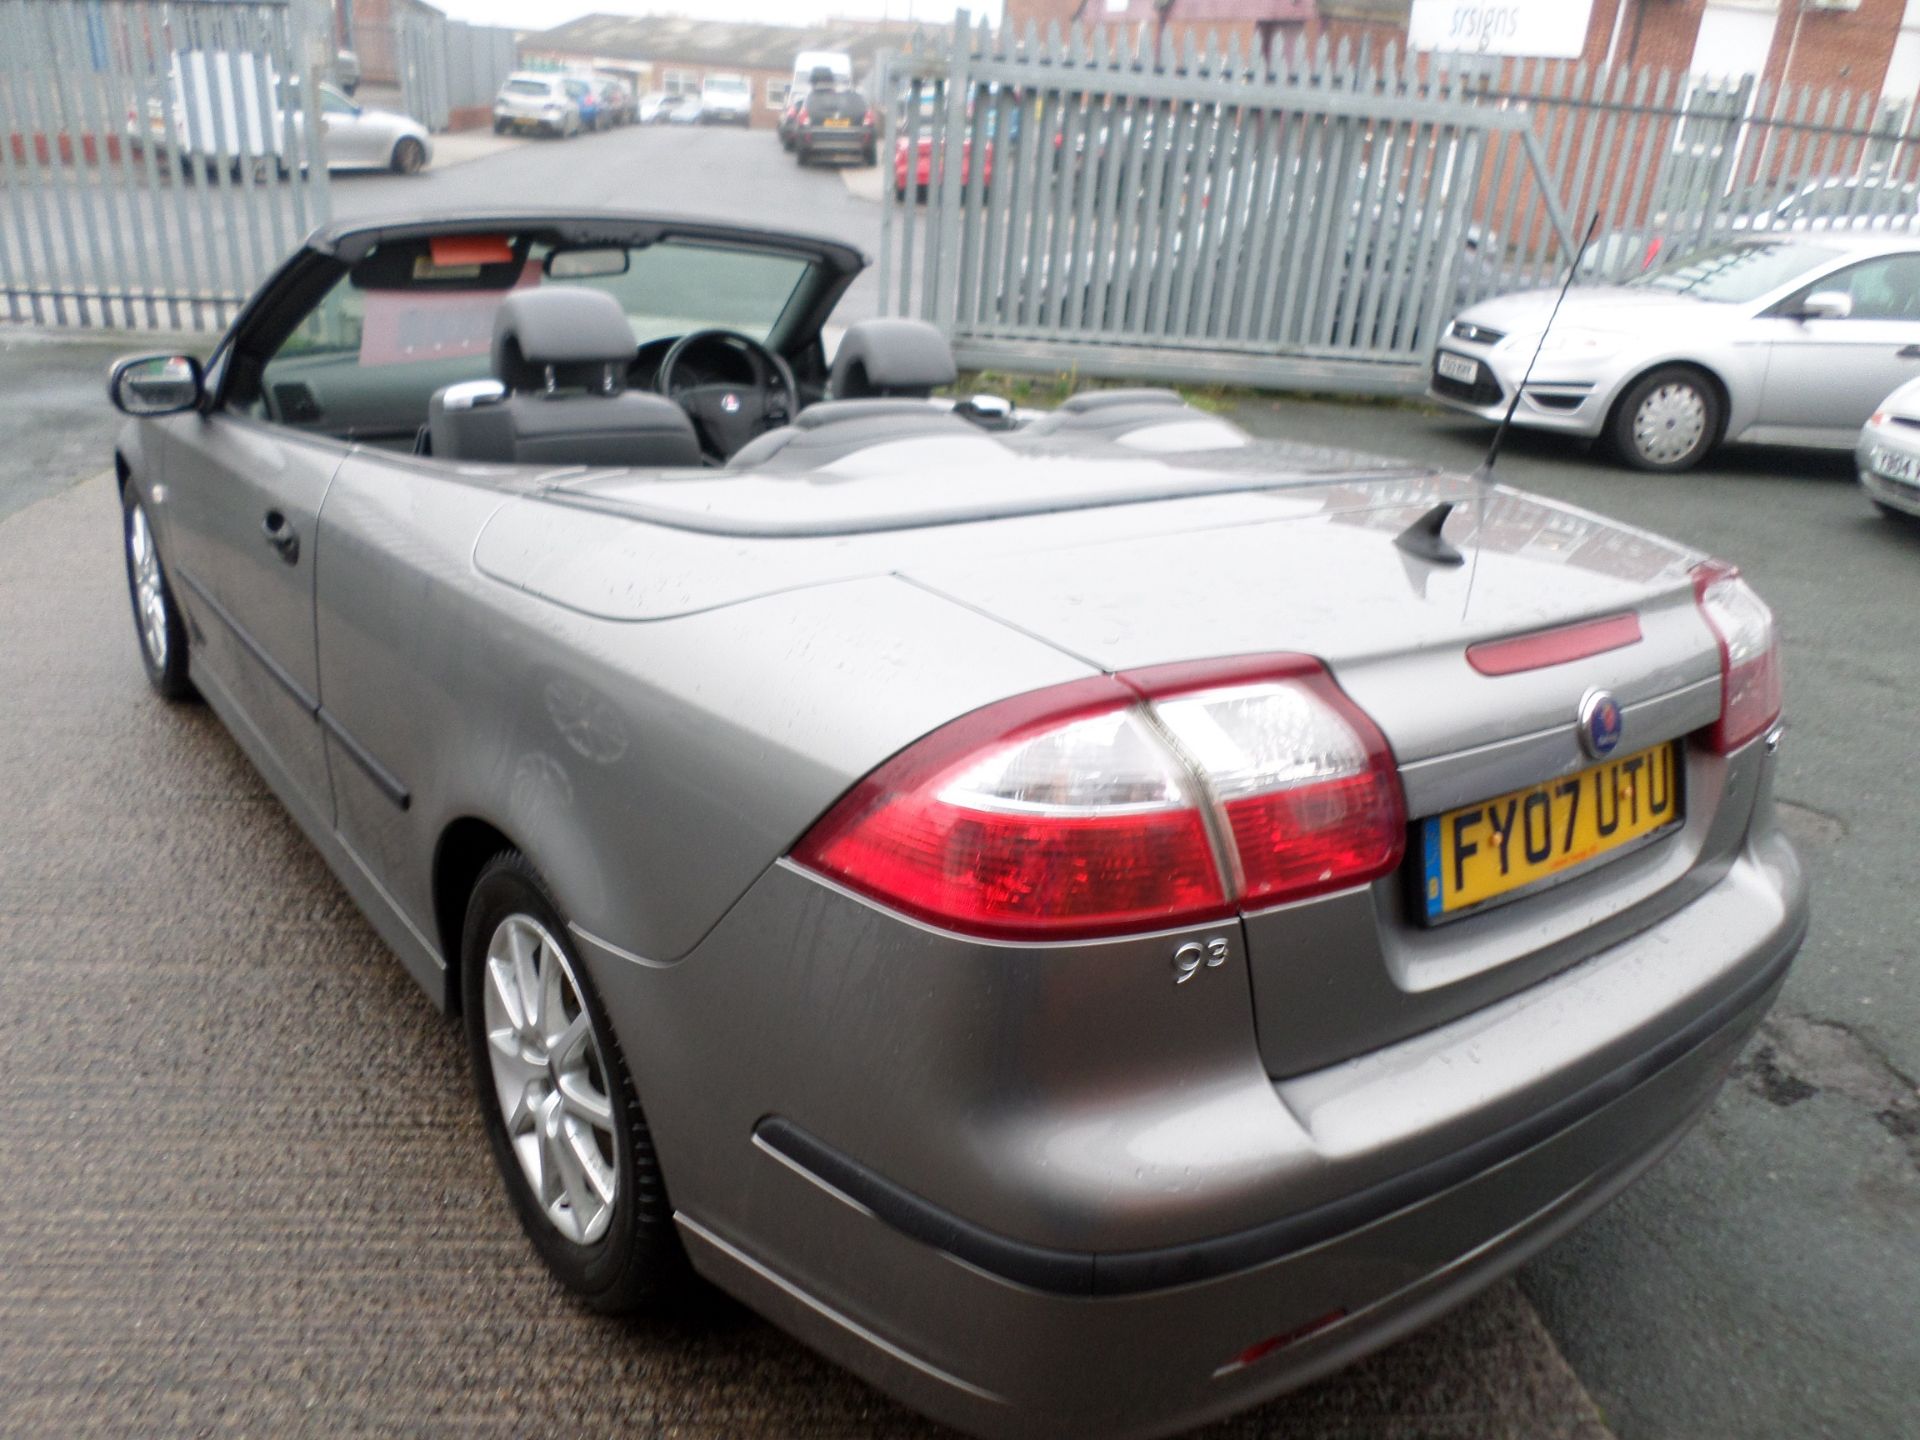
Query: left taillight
[[1147, 801], [1750, 685]]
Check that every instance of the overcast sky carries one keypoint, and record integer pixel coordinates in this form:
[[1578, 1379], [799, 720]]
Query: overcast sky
[[543, 14]]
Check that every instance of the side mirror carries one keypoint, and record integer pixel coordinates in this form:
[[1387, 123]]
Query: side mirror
[[1825, 305], [155, 384]]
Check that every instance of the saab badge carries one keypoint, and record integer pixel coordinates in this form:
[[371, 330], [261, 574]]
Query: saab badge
[[730, 403], [1601, 724]]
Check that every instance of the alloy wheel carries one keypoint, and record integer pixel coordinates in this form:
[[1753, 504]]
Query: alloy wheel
[[1670, 423], [549, 1079], [149, 591]]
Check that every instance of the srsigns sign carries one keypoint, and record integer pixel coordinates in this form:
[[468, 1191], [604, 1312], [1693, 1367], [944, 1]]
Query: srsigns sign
[[1553, 28]]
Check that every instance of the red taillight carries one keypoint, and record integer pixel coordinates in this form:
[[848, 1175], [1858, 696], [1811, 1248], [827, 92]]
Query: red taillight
[[1157, 799], [867, 119], [1749, 655]]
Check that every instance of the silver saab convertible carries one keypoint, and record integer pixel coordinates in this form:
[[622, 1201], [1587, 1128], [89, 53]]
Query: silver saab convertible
[[1087, 918]]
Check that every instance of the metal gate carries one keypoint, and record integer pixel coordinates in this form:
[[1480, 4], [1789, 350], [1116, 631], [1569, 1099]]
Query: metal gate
[[447, 65], [1113, 208], [156, 160]]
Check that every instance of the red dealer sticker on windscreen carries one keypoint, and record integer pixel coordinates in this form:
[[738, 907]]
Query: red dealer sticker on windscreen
[[402, 327]]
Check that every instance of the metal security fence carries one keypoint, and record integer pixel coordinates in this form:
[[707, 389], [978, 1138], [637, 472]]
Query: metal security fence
[[1671, 161], [156, 160], [1189, 214], [447, 65], [1313, 217]]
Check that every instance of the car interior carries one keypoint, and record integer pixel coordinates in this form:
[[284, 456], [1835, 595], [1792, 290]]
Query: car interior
[[667, 353]]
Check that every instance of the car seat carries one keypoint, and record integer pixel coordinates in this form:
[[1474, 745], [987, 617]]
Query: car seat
[[560, 356]]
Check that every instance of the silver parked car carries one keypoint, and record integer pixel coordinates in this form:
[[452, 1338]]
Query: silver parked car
[[1770, 339], [218, 114], [1062, 912], [536, 101], [1889, 452]]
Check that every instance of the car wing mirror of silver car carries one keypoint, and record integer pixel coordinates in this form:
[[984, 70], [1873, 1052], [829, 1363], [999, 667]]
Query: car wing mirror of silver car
[[147, 385], [1825, 305]]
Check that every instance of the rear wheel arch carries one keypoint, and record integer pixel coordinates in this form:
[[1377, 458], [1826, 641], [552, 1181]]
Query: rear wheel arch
[[464, 848]]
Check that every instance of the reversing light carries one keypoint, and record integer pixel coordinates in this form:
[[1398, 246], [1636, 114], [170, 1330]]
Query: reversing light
[[1750, 685], [1155, 799]]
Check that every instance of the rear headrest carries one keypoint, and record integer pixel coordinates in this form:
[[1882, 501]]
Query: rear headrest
[[579, 332], [890, 357]]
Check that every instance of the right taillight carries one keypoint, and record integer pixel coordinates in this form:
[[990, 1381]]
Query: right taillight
[[1749, 655], [1157, 799]]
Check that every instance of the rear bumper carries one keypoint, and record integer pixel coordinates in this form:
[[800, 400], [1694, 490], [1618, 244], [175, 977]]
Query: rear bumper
[[835, 142], [1002, 1337]]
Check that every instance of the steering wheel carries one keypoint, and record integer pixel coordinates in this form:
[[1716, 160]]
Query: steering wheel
[[727, 416]]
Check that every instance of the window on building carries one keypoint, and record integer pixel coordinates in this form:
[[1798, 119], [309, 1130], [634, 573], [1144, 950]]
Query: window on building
[[679, 82], [777, 94]]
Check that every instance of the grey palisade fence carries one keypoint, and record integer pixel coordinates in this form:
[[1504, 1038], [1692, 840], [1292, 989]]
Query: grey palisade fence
[[1312, 218], [155, 161]]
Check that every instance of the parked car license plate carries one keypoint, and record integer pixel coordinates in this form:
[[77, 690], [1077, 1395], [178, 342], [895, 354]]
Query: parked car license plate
[[1458, 367], [837, 122], [1892, 465], [1491, 851]]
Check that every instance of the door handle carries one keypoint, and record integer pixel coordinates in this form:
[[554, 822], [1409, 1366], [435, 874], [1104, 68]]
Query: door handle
[[1908, 352], [282, 536]]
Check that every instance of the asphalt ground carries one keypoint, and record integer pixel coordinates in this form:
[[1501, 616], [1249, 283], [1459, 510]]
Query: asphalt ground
[[243, 1185]]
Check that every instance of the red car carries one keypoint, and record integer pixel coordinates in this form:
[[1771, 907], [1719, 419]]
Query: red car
[[923, 171]]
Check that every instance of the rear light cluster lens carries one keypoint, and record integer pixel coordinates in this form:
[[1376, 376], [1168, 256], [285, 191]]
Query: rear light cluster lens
[[1150, 800], [1749, 655]]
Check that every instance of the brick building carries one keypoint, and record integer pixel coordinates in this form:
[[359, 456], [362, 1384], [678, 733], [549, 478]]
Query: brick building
[[675, 54], [1871, 45]]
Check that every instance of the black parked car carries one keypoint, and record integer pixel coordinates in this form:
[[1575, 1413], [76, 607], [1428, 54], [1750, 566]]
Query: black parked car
[[835, 124]]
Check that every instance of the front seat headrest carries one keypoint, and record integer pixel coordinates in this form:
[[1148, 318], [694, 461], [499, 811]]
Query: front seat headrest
[[581, 334], [879, 358]]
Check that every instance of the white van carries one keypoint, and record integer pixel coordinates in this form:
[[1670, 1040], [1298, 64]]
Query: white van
[[726, 100], [807, 61]]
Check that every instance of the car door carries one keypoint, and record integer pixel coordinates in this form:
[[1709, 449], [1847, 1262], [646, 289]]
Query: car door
[[352, 140], [243, 499], [1828, 374]]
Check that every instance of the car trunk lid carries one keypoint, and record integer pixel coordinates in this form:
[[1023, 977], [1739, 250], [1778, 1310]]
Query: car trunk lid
[[1343, 974]]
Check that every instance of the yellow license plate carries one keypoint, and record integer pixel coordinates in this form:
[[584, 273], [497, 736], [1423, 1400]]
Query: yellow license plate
[[838, 124], [1491, 851]]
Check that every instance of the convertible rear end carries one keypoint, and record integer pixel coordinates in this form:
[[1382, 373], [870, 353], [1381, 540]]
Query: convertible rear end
[[1339, 932]]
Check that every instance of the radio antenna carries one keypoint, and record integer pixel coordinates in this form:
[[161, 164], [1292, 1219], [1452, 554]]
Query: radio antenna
[[1423, 538], [1485, 472]]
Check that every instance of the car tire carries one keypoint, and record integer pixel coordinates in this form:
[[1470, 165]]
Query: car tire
[[157, 624], [1668, 420], [408, 156], [869, 156], [580, 1109], [499, 127]]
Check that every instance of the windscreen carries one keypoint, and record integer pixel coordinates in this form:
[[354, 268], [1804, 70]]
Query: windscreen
[[1738, 271], [418, 315]]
